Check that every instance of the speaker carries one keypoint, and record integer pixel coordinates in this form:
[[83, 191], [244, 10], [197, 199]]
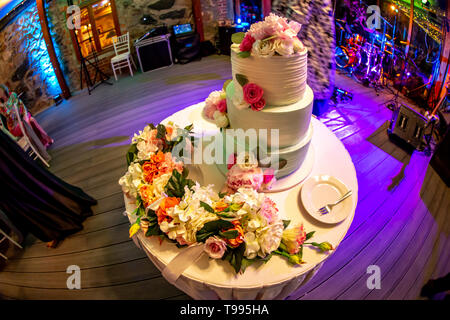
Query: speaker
[[408, 125], [154, 53], [186, 48]]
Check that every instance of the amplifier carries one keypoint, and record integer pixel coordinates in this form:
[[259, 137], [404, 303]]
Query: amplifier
[[154, 53], [186, 48], [408, 125]]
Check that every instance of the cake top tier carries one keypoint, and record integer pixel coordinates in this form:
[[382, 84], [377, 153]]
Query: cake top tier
[[273, 36], [271, 57]]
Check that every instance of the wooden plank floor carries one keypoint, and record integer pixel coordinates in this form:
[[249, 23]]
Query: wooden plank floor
[[400, 225]]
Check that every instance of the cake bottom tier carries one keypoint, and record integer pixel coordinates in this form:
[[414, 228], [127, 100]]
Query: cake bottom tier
[[292, 156]]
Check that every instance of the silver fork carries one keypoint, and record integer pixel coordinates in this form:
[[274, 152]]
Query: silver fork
[[327, 209]]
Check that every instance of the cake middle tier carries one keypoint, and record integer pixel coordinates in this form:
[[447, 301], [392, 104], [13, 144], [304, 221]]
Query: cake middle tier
[[292, 120]]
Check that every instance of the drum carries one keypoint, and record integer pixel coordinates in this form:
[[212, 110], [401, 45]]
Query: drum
[[359, 40], [345, 57]]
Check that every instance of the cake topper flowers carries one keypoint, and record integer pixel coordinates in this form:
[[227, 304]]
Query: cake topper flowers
[[273, 36]]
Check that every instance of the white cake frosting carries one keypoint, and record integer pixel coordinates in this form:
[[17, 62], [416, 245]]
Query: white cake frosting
[[288, 107], [283, 78], [292, 120], [293, 155]]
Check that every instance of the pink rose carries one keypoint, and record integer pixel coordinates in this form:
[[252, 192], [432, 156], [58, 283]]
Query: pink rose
[[252, 93], [215, 247], [209, 111], [247, 43], [258, 106], [269, 174], [250, 178], [231, 161], [268, 210], [222, 105]]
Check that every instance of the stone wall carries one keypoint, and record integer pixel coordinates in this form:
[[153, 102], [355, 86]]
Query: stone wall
[[24, 62], [130, 14]]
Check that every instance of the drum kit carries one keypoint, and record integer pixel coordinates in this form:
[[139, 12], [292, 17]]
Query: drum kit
[[371, 58]]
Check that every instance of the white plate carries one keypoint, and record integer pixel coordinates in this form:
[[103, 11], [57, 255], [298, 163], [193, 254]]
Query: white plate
[[319, 191]]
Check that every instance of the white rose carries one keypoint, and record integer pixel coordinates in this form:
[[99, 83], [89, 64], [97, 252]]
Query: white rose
[[220, 119], [263, 48], [238, 97], [298, 45], [253, 224], [270, 237], [284, 47], [251, 245]]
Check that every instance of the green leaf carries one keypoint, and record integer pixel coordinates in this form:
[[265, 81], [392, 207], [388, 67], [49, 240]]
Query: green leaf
[[177, 182], [131, 153], [225, 85], [241, 79], [212, 228], [309, 235], [235, 257], [224, 215], [161, 131], [237, 37], [222, 194], [246, 263], [206, 206], [286, 223], [152, 126], [269, 38], [236, 206], [244, 54], [231, 234], [189, 127]]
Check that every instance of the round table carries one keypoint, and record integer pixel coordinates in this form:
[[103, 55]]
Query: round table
[[215, 279]]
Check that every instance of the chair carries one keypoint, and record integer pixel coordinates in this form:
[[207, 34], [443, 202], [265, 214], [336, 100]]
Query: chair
[[29, 142], [123, 56]]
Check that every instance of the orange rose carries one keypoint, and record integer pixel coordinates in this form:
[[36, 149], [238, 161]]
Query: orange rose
[[220, 206], [159, 157], [236, 242], [165, 204]]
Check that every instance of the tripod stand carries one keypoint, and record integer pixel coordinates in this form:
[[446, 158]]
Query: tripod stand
[[91, 85]]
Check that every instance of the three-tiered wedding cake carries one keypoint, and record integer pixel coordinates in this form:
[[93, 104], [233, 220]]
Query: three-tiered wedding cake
[[269, 91]]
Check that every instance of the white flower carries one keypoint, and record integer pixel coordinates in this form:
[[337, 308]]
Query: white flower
[[221, 119], [269, 238], [284, 47], [238, 97], [214, 98], [263, 48], [298, 45], [159, 183], [188, 216], [131, 181], [251, 245]]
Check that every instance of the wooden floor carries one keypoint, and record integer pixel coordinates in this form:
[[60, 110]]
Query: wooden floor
[[401, 222]]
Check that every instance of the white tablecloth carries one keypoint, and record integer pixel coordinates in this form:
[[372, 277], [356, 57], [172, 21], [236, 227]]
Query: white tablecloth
[[215, 279]]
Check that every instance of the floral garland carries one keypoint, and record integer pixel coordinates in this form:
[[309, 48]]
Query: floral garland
[[273, 36], [241, 227]]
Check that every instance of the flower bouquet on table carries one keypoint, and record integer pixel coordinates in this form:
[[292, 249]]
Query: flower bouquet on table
[[240, 227]]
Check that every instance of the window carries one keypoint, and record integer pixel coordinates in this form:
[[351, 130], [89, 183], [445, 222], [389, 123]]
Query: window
[[99, 25]]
